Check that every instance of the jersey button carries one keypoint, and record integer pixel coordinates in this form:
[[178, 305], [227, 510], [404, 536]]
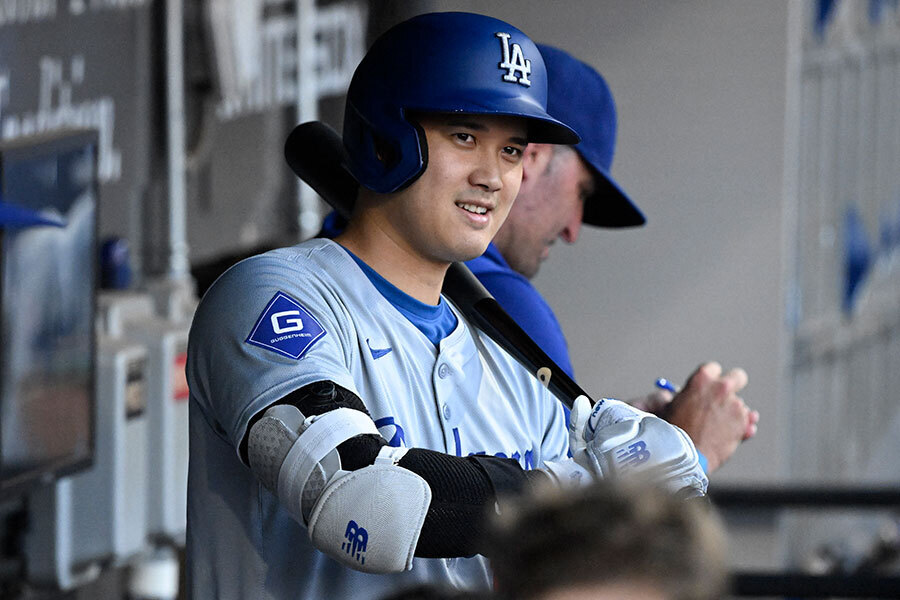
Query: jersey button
[[446, 411], [443, 371]]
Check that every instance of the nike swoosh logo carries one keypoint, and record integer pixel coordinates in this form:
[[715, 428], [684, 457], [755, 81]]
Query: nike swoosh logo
[[378, 352]]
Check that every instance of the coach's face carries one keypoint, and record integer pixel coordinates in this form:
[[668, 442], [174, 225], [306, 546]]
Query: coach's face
[[452, 211], [550, 206]]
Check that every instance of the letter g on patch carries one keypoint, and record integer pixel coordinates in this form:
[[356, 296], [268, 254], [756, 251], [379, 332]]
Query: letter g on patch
[[286, 327], [281, 323]]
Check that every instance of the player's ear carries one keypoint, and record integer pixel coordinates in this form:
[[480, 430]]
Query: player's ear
[[535, 160]]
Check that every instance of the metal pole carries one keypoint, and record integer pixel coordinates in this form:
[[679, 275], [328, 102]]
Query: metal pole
[[178, 264], [308, 217]]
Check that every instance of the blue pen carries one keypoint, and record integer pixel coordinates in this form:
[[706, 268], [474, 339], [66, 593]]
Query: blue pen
[[664, 384]]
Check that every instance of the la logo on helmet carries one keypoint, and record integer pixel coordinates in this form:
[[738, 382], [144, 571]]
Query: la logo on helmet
[[514, 61]]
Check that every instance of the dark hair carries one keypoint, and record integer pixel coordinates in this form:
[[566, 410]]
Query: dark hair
[[605, 534]]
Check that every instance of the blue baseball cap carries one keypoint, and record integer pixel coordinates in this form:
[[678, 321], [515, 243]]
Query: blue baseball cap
[[15, 217], [578, 96]]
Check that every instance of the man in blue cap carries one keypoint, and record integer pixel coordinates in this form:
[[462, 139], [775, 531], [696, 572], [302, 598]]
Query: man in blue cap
[[563, 187]]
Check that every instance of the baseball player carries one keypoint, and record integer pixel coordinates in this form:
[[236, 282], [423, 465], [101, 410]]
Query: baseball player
[[348, 428]]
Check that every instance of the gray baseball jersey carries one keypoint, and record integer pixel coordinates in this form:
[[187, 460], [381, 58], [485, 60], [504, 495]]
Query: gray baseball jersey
[[294, 316]]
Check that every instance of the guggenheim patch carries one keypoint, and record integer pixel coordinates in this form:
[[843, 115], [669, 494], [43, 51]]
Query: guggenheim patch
[[286, 327]]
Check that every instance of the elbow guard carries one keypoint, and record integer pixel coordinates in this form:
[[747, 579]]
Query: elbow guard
[[368, 519]]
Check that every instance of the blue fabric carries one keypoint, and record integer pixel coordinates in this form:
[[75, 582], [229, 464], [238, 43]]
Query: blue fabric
[[436, 322], [522, 301]]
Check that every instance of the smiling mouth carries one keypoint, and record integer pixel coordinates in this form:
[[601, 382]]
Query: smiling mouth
[[472, 208]]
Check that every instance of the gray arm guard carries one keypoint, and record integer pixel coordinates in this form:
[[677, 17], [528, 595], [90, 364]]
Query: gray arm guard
[[369, 519]]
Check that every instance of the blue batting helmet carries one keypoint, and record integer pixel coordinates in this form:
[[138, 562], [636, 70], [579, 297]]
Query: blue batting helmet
[[447, 63]]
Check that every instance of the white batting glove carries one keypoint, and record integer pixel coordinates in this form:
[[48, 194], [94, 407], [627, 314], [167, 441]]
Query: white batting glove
[[616, 440]]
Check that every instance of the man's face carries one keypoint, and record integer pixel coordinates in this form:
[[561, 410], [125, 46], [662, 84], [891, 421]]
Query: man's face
[[549, 206], [454, 209]]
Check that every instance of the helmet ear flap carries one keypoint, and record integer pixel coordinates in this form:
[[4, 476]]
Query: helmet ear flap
[[390, 154], [371, 154], [423, 153], [380, 158]]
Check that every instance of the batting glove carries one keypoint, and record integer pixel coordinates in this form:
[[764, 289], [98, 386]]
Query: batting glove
[[617, 440]]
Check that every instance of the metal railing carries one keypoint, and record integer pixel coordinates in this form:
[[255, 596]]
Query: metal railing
[[864, 582]]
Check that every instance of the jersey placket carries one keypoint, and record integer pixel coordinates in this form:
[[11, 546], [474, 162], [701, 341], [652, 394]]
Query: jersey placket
[[457, 379]]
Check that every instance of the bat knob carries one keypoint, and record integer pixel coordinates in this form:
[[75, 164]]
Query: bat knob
[[543, 375]]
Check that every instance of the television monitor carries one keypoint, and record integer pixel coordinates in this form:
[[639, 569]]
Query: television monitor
[[48, 249]]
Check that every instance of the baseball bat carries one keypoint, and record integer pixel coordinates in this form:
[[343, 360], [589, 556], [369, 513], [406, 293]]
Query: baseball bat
[[315, 152]]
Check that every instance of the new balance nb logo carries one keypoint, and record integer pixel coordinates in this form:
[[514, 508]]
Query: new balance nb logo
[[357, 538], [634, 454], [514, 61]]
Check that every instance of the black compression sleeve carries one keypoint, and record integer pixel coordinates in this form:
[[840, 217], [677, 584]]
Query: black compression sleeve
[[319, 398], [463, 491]]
